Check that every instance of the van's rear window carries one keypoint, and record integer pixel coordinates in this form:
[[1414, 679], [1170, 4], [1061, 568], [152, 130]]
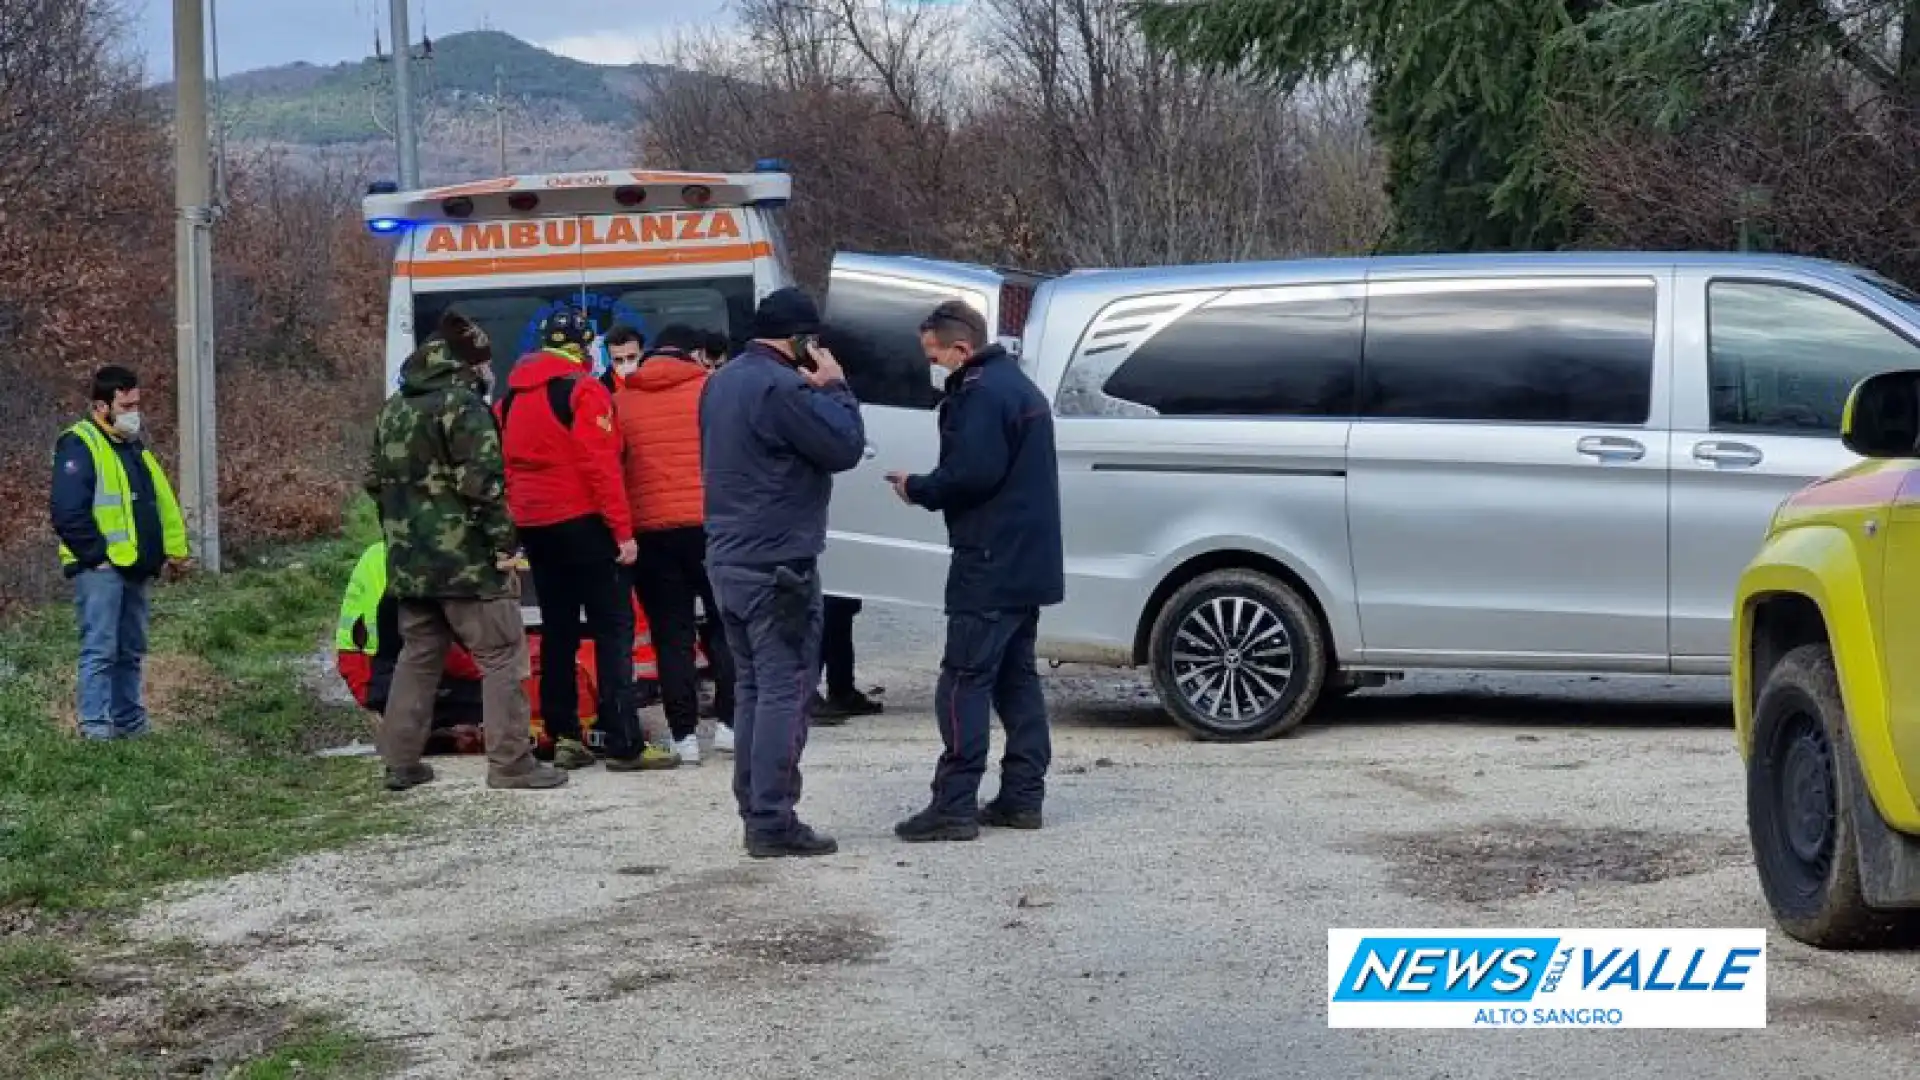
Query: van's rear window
[[511, 317]]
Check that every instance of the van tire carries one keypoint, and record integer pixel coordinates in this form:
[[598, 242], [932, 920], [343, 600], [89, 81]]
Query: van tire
[[1262, 602], [1798, 816]]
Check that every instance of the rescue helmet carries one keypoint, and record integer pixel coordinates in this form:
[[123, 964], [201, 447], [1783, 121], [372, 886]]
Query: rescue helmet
[[568, 330]]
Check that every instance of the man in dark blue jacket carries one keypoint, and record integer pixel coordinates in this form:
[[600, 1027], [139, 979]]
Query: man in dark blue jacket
[[776, 423], [998, 483]]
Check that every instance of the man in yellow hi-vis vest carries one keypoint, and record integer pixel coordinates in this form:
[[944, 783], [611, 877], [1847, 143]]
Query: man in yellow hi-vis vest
[[119, 527]]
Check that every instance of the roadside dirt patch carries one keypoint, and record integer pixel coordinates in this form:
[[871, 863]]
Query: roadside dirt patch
[[175, 683], [1510, 861], [1431, 788], [96, 1013], [809, 942]]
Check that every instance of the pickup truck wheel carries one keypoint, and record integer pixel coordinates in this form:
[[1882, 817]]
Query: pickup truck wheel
[[1801, 826], [1237, 656]]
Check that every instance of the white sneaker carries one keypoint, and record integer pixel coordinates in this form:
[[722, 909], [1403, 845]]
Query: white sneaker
[[723, 738], [688, 749]]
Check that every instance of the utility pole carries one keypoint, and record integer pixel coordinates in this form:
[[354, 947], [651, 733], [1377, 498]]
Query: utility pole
[[403, 97], [193, 285], [500, 113]]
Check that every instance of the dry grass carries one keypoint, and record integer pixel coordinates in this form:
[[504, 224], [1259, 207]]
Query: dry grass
[[179, 686]]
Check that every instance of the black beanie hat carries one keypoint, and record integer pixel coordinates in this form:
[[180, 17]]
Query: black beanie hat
[[786, 313], [465, 339]]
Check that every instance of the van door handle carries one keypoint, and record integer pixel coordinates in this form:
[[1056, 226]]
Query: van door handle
[[870, 452], [1735, 455], [1611, 448]]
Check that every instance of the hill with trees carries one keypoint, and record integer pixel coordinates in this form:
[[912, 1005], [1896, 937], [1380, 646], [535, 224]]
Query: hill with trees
[[559, 113]]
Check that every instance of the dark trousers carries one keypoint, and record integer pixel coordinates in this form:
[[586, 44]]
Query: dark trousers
[[575, 576], [988, 667], [836, 644], [773, 627], [669, 577]]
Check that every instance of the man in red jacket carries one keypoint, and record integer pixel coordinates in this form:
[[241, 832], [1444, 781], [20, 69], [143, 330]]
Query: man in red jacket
[[569, 504]]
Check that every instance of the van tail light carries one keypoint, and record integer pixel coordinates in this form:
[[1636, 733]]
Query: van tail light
[[1016, 300], [523, 201]]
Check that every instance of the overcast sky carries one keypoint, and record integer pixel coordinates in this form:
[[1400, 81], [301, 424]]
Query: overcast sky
[[266, 33]]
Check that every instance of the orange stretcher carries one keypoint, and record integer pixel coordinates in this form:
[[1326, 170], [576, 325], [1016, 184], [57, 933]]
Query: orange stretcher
[[646, 670]]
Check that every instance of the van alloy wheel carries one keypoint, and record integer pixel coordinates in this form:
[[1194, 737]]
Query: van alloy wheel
[[1237, 655], [1233, 660]]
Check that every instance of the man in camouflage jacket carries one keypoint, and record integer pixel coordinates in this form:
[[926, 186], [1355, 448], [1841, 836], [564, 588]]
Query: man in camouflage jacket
[[438, 479]]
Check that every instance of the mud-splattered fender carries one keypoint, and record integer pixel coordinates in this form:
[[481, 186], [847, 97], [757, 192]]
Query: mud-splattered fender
[[1821, 563]]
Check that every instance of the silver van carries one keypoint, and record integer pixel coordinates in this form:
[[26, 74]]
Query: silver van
[[1283, 481]]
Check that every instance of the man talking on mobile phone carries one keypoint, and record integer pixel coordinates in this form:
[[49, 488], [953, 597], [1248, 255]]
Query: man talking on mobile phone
[[775, 424]]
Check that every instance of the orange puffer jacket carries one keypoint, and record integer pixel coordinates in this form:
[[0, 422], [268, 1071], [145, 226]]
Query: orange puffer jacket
[[658, 410]]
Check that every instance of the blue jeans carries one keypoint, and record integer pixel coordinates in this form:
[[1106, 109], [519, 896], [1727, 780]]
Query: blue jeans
[[113, 641]]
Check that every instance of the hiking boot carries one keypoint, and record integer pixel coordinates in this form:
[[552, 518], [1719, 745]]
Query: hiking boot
[[841, 706], [540, 777], [928, 826], [723, 738], [409, 776], [651, 758], [572, 754], [1006, 817], [801, 843]]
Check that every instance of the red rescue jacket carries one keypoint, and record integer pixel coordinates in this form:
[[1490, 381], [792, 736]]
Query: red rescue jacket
[[556, 473]]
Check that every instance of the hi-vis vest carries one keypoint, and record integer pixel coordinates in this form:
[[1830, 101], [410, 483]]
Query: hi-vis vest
[[113, 502], [359, 629]]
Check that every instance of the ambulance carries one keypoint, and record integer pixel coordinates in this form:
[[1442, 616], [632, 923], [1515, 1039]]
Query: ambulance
[[639, 248]]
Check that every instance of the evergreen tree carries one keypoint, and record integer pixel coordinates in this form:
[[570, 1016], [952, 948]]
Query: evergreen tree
[[1459, 93]]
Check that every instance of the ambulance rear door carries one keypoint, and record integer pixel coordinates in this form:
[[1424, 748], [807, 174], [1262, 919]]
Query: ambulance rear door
[[505, 275], [687, 267]]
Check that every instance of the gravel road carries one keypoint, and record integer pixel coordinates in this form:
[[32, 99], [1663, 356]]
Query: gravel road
[[1169, 922]]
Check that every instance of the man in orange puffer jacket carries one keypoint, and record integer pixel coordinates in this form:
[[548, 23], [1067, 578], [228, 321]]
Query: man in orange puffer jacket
[[658, 413]]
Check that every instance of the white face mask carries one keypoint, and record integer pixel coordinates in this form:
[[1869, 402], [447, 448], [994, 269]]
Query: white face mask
[[938, 376], [128, 424], [487, 379], [624, 368]]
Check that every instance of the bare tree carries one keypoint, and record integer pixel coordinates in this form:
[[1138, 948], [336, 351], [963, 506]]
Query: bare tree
[[1144, 160], [1041, 132]]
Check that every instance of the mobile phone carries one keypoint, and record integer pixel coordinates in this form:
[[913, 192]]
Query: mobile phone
[[803, 351]]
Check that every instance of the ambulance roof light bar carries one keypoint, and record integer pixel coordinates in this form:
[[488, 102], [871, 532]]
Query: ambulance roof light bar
[[387, 210]]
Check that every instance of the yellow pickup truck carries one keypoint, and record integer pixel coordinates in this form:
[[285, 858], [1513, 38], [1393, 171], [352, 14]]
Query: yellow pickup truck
[[1826, 681]]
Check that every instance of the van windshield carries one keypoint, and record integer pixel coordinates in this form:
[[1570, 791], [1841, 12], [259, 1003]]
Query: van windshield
[[511, 316]]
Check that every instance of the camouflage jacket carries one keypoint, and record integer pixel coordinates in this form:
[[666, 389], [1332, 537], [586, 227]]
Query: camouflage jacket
[[438, 478]]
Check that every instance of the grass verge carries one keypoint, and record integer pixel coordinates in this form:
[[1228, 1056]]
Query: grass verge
[[227, 783]]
